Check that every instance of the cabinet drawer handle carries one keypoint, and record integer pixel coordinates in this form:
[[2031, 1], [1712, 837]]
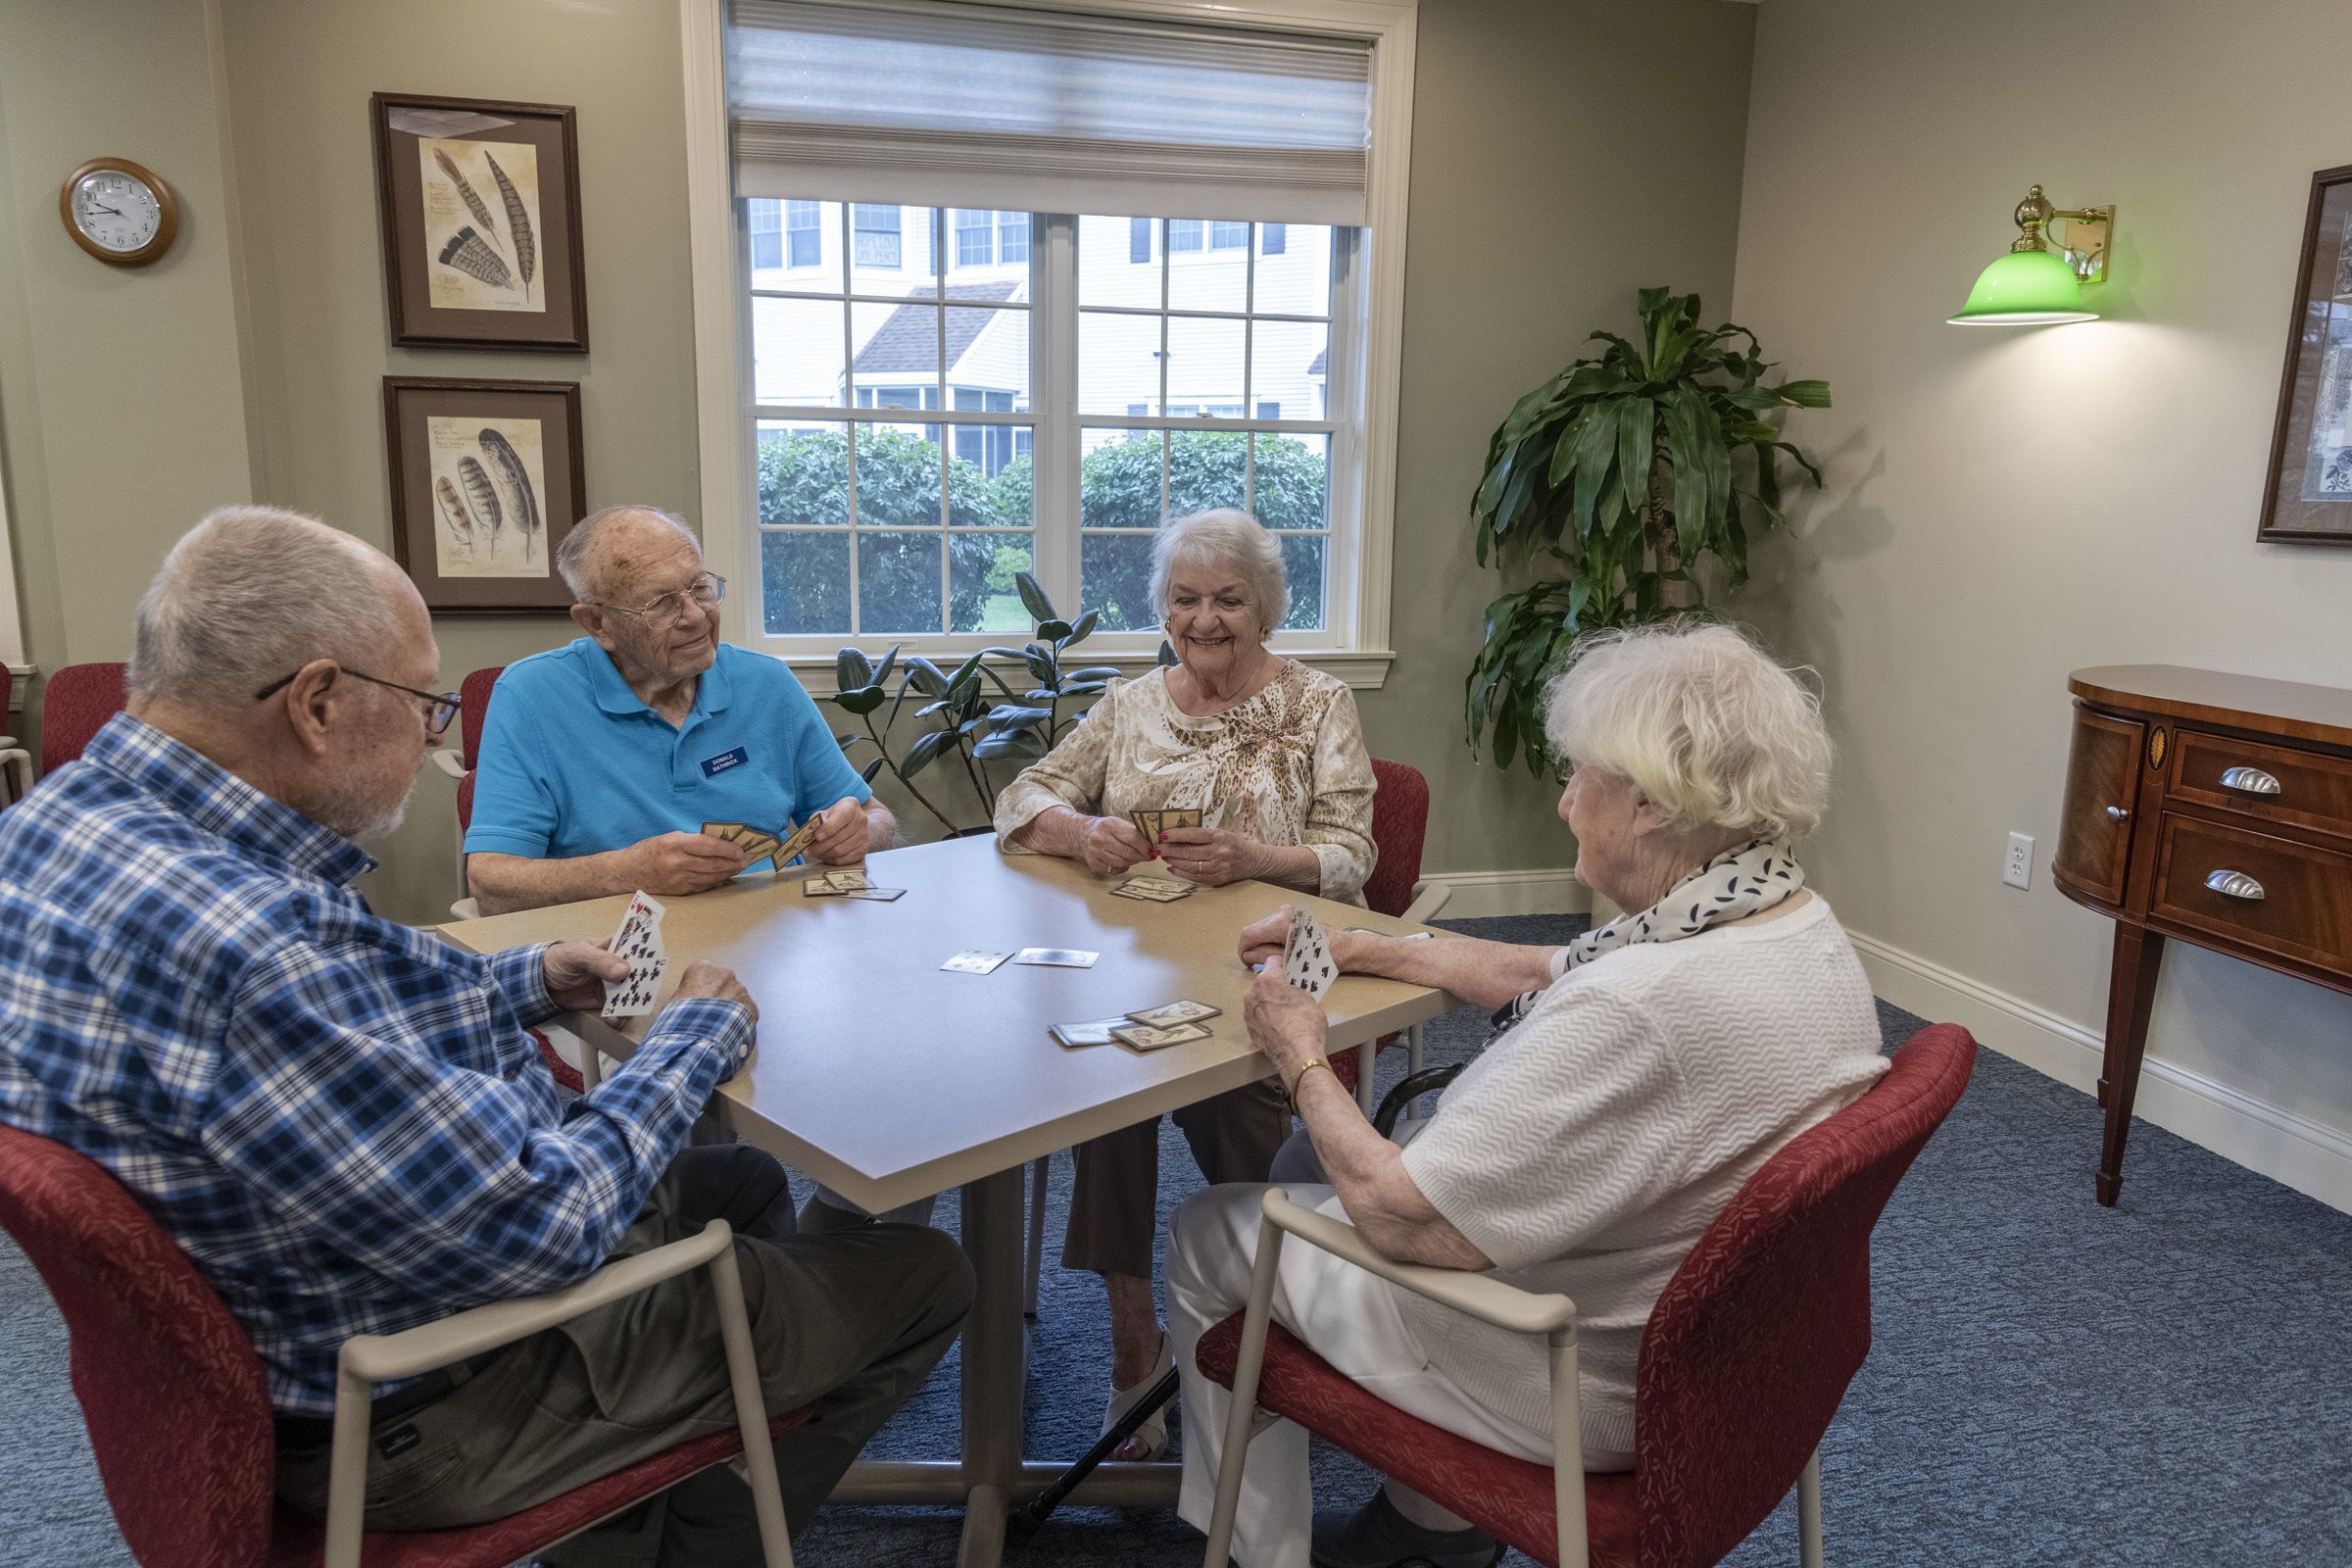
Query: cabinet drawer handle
[[2116, 813], [2252, 780], [2234, 885]]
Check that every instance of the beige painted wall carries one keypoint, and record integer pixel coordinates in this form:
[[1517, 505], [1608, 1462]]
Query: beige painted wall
[[1566, 153], [2005, 504]]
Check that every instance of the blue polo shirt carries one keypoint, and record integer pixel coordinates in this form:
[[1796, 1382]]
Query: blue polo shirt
[[572, 762]]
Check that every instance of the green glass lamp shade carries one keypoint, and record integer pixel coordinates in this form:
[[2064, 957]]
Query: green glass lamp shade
[[2024, 288]]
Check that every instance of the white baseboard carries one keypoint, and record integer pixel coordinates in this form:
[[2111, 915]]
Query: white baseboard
[[1485, 893], [2288, 1148]]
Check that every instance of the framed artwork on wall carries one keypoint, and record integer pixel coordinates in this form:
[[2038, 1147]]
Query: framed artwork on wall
[[481, 222], [486, 482], [2309, 495]]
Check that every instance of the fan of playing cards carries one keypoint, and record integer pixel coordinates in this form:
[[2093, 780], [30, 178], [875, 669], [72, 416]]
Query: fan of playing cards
[[1306, 954], [757, 844], [639, 942]]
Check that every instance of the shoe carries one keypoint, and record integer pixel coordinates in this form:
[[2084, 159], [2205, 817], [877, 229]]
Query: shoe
[[1153, 1433], [1377, 1536]]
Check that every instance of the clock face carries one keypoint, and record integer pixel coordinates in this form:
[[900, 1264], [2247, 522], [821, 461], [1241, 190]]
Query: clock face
[[117, 212]]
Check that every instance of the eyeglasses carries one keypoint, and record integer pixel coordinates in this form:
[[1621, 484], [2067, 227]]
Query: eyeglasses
[[662, 613], [439, 709]]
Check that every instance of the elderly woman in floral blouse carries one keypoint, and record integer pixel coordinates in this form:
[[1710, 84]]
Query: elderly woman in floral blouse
[[1272, 755]]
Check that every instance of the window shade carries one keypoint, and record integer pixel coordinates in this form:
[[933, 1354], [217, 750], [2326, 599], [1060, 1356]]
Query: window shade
[[984, 106]]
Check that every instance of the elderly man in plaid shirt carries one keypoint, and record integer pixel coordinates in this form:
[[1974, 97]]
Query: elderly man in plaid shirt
[[343, 1120]]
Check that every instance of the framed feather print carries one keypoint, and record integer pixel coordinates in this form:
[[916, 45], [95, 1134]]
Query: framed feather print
[[486, 480], [481, 220]]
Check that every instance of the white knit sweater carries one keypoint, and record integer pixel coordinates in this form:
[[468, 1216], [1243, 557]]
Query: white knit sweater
[[1588, 1150]]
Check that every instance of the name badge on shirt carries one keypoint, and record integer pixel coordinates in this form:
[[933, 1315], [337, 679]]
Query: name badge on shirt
[[712, 766]]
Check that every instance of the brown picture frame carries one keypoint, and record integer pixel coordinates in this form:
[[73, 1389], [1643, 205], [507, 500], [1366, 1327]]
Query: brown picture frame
[[472, 548], [2307, 497], [459, 273]]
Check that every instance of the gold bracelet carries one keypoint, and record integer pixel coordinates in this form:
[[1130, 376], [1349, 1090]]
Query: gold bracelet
[[1291, 1093]]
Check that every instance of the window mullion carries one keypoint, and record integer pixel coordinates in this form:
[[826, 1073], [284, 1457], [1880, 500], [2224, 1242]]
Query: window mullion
[[1053, 380]]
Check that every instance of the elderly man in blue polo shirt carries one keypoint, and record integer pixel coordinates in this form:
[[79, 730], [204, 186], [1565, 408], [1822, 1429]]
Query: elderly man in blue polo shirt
[[601, 760]]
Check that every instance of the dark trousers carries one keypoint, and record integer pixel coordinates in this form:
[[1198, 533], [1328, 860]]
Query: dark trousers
[[1114, 1201], [851, 1323]]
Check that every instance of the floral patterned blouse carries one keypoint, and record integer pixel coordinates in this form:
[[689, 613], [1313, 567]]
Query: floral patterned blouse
[[1285, 766]]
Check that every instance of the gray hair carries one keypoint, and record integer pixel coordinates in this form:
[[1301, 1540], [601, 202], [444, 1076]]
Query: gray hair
[[253, 593], [1709, 728], [576, 557], [1224, 536]]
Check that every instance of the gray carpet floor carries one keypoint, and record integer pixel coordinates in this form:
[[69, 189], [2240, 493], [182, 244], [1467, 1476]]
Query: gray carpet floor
[[2051, 1382]]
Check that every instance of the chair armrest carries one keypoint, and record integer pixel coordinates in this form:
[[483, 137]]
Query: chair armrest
[[381, 1357], [19, 763], [449, 761], [1489, 1300], [1428, 899]]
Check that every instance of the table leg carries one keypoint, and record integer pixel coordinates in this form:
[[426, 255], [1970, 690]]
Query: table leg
[[994, 1363], [2131, 997]]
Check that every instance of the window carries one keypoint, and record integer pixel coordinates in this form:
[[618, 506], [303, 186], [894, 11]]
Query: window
[[952, 392], [767, 235]]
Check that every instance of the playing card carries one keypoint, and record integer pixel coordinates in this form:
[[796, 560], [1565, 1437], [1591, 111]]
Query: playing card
[[1306, 954], [1169, 1014], [821, 887], [975, 962], [1093, 1032], [1176, 817], [1155, 889], [847, 879], [1058, 958], [1152, 1036], [1147, 824], [639, 942], [757, 844], [796, 840], [877, 895], [727, 831]]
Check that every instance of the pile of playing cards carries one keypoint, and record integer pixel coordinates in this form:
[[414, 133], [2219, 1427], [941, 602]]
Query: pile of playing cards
[[758, 844], [1152, 824], [1155, 889], [1149, 1030], [1306, 954], [846, 882], [639, 940], [981, 961]]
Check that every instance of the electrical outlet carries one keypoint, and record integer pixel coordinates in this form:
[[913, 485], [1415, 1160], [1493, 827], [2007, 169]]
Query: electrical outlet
[[2017, 866]]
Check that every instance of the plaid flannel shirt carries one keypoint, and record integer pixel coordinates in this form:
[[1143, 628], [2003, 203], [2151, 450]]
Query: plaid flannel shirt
[[339, 1117]]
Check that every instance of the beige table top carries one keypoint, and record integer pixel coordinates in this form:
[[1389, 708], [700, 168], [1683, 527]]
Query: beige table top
[[887, 1078]]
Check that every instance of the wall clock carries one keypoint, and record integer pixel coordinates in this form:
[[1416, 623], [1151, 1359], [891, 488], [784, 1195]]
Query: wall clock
[[119, 212]]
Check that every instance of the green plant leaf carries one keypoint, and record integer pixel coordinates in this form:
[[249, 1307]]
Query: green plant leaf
[[852, 668], [927, 749], [1054, 630], [1804, 394], [1017, 746], [868, 773], [1167, 655], [1033, 597], [1084, 688], [1092, 672], [925, 676], [1801, 461], [864, 700], [889, 663], [1595, 454], [1009, 714], [1081, 628], [1041, 663]]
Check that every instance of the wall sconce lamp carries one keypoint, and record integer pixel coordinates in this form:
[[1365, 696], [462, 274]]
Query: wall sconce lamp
[[2034, 285]]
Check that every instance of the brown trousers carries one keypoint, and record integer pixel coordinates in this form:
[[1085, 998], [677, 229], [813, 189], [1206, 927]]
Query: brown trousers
[[1114, 1205]]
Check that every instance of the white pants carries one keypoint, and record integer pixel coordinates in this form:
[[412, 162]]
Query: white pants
[[1351, 1319]]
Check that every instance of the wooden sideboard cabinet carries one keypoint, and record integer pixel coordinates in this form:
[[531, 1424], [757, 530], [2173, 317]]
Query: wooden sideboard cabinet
[[2207, 808]]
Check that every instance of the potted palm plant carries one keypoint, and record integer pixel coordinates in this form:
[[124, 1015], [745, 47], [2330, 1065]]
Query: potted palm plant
[[1616, 478]]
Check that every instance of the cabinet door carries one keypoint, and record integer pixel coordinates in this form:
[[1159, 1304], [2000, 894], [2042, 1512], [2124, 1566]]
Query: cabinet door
[[2103, 801]]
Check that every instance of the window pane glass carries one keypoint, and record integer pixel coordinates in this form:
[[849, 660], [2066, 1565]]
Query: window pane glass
[[1184, 234], [974, 236], [1119, 363], [796, 245], [1206, 469], [804, 583], [1012, 236], [981, 595], [894, 354], [987, 351], [1205, 363], [897, 583], [1304, 565], [1112, 268], [806, 226], [897, 477], [1213, 280], [1228, 236], [1114, 577], [1119, 478], [796, 352], [1290, 365], [1293, 269], [1291, 480], [990, 483], [804, 478], [893, 251]]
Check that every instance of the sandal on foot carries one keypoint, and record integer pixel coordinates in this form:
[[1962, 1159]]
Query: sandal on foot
[[1153, 1433]]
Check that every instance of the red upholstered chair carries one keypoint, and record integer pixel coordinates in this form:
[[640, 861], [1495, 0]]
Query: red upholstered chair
[[1742, 1364], [76, 703], [1400, 823], [180, 1419]]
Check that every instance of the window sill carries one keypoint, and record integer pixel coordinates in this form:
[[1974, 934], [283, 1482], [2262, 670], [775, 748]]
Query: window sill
[[1364, 671]]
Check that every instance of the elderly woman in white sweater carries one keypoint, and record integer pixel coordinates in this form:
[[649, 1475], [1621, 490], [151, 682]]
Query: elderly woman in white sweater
[[1640, 1075]]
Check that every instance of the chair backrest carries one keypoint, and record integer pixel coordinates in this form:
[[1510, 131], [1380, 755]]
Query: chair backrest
[[1399, 822], [171, 1389], [464, 813], [476, 695], [76, 703], [1750, 1348]]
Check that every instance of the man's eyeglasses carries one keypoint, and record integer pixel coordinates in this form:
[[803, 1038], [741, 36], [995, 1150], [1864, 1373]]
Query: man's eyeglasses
[[439, 708], [664, 613]]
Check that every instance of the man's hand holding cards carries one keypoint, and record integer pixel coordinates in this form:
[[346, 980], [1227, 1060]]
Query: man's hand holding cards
[[638, 943]]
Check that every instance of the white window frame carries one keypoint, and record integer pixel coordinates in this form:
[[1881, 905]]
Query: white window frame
[[1369, 281]]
